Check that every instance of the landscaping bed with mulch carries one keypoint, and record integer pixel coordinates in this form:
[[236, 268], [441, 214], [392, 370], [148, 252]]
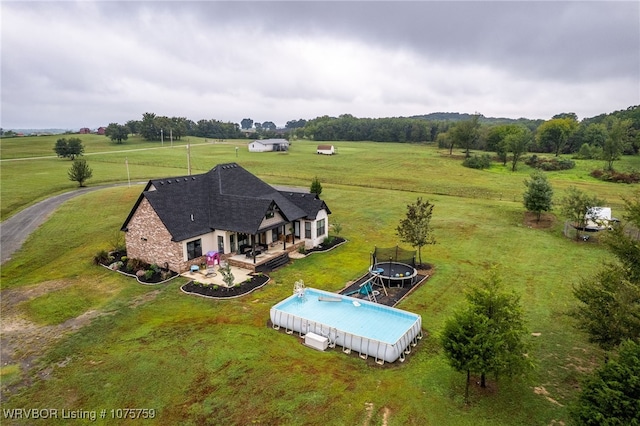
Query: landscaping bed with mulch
[[326, 245], [221, 292], [135, 268]]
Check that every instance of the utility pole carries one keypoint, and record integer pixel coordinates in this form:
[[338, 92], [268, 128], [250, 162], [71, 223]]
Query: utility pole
[[126, 161], [171, 136], [188, 158], [162, 136]]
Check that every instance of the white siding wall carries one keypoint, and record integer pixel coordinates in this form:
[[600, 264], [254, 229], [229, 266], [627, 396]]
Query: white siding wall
[[209, 243], [258, 147], [316, 239]]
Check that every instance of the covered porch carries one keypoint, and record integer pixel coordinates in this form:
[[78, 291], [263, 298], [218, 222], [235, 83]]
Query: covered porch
[[265, 254]]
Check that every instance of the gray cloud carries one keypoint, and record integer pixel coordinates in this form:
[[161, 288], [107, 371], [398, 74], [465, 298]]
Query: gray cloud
[[91, 63]]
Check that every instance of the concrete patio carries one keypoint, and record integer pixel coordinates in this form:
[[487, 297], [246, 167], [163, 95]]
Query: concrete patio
[[239, 275]]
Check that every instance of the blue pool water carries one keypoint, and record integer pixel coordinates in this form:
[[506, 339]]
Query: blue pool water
[[370, 320]]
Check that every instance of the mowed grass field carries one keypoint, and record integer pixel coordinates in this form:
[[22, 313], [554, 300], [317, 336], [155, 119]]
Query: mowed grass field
[[198, 361]]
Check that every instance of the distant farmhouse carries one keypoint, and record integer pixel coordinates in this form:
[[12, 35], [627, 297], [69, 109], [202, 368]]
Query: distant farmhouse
[[176, 221], [87, 131], [326, 149], [266, 145]]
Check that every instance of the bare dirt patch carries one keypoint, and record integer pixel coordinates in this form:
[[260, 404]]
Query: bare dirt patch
[[547, 220], [23, 342], [540, 390]]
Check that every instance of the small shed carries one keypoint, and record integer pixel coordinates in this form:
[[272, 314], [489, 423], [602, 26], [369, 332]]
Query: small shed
[[326, 149]]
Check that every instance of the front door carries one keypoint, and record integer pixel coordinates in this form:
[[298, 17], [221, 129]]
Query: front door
[[220, 244]]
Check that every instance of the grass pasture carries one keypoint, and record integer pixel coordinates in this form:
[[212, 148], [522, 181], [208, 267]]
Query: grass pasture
[[196, 361]]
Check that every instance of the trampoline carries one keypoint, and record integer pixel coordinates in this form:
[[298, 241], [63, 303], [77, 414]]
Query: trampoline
[[394, 267], [394, 274]]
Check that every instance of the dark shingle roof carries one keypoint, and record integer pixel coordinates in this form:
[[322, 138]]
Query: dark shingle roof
[[310, 203], [227, 197]]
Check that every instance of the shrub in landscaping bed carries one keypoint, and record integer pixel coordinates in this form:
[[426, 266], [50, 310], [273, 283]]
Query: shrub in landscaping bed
[[146, 273], [327, 244], [211, 290]]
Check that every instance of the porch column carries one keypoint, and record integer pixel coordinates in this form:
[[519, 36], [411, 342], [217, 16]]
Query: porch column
[[253, 247], [284, 240]]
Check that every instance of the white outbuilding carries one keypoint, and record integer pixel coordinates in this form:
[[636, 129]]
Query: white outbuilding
[[267, 145], [326, 149]]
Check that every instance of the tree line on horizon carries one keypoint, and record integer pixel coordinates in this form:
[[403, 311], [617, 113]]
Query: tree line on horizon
[[562, 134]]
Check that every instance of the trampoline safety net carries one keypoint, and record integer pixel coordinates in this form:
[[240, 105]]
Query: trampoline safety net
[[395, 254]]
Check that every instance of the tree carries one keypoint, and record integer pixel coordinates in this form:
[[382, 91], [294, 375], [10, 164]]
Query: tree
[[227, 274], [555, 133], [616, 140], [70, 148], [316, 186], [488, 335], [595, 134], [133, 125], [609, 307], [80, 172], [246, 123], [609, 300], [506, 320], [117, 132], [415, 228], [576, 206], [466, 342], [295, 124], [508, 137], [61, 148], [7, 133], [632, 209], [538, 197], [517, 143], [149, 128], [570, 115], [465, 134], [268, 125], [179, 126], [337, 227], [611, 395]]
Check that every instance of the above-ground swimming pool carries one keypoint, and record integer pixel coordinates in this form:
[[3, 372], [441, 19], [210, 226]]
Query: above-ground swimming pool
[[379, 331], [394, 273]]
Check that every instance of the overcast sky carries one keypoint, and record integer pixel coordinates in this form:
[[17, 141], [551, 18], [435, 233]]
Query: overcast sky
[[88, 64]]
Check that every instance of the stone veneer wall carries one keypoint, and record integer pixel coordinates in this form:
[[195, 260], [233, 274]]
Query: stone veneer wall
[[158, 247]]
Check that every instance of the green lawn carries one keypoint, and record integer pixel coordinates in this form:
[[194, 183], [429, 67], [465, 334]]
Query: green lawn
[[197, 361]]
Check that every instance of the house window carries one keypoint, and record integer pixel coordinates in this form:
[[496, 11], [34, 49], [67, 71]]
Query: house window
[[307, 230], [270, 214], [220, 244], [320, 230], [232, 242], [194, 249]]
